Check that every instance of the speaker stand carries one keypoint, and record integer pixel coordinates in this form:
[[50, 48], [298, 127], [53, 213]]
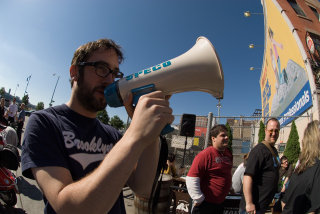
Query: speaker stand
[[184, 153]]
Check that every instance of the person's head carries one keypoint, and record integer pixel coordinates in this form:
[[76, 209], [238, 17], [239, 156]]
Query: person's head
[[171, 157], [272, 130], [22, 106], [94, 66], [14, 100], [219, 137], [2, 102], [284, 162], [310, 146]]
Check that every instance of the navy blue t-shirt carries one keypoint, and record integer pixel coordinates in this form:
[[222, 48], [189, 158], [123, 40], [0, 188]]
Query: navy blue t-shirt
[[58, 136]]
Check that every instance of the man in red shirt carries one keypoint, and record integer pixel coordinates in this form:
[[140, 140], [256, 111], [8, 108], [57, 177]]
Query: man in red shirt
[[209, 178]]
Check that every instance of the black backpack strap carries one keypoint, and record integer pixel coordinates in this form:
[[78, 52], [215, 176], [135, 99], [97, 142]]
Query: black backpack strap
[[162, 165]]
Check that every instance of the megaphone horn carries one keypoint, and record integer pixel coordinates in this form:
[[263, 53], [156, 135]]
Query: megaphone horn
[[199, 69]]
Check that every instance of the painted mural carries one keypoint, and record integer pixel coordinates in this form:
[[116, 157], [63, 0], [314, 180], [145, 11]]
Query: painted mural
[[285, 89]]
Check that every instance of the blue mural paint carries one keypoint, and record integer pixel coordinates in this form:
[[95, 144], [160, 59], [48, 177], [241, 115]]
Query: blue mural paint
[[299, 104]]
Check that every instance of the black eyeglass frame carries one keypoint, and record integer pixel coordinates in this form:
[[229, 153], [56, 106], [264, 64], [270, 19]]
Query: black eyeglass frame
[[115, 73]]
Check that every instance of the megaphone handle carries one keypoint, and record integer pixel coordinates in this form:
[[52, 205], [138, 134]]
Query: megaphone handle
[[167, 129], [138, 92]]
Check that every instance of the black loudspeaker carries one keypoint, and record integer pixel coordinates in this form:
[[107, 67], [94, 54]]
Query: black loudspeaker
[[188, 123]]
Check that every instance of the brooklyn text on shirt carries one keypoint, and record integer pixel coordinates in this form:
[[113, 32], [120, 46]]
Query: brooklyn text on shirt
[[95, 145], [98, 149]]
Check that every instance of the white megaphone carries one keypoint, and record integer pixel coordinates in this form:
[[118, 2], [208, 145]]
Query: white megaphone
[[199, 69]]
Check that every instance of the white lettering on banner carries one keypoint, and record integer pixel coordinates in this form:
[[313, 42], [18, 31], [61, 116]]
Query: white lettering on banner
[[93, 146], [296, 107]]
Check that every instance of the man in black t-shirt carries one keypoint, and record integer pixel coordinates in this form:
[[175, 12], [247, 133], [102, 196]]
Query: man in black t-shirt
[[80, 164], [260, 180]]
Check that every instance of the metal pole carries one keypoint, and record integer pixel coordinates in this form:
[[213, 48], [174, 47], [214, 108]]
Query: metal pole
[[50, 104], [16, 90], [28, 80], [184, 153], [208, 130], [219, 106]]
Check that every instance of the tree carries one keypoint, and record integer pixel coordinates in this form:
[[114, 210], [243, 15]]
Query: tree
[[25, 99], [2, 92], [292, 150], [230, 136], [116, 122], [40, 106], [262, 133], [103, 116]]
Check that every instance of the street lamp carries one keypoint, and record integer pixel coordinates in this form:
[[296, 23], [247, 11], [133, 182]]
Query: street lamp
[[51, 101], [248, 13], [219, 106], [253, 46], [16, 90], [253, 68], [28, 80]]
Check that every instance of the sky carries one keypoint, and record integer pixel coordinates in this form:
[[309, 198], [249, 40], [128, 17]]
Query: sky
[[39, 37]]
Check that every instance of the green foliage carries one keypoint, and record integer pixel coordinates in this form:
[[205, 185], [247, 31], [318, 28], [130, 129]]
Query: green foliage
[[230, 136], [103, 116], [25, 99], [2, 92], [40, 106], [292, 150], [262, 133], [116, 122]]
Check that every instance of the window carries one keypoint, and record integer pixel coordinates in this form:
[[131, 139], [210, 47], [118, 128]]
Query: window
[[314, 10], [296, 7]]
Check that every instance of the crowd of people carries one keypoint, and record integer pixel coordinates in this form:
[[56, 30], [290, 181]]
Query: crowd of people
[[81, 164], [13, 117]]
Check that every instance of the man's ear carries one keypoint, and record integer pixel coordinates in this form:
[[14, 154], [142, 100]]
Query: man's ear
[[74, 72], [212, 139]]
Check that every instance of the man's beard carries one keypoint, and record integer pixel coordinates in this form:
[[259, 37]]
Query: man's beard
[[87, 99]]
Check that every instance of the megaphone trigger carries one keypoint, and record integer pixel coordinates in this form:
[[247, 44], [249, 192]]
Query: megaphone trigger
[[138, 92]]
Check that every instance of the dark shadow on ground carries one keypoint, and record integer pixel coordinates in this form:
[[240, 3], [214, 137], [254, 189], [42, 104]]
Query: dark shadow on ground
[[28, 189]]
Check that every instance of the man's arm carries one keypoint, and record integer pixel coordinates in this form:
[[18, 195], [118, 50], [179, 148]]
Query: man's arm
[[193, 186], [247, 191], [99, 190], [141, 180]]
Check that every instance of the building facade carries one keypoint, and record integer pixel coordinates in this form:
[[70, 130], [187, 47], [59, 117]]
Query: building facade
[[290, 75]]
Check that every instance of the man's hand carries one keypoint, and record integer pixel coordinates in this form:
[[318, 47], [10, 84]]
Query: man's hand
[[150, 115], [251, 208]]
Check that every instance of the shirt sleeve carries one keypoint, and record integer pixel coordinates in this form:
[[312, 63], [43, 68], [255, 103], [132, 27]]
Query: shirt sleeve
[[193, 186], [254, 162], [42, 144], [198, 166]]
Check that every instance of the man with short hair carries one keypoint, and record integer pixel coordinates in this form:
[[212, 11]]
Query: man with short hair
[[81, 164], [21, 118], [260, 180], [12, 111], [209, 178]]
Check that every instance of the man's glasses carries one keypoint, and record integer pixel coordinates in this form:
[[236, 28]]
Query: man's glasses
[[102, 69], [271, 131]]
